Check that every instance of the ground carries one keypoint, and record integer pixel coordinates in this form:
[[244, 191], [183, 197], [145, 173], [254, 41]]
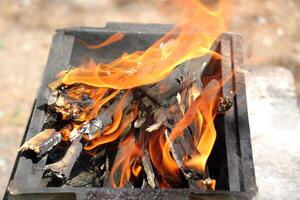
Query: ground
[[269, 28]]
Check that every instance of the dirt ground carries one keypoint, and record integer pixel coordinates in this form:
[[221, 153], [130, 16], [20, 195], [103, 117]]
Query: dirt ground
[[269, 27]]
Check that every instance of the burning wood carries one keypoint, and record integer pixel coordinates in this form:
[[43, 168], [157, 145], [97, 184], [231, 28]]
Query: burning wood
[[62, 169], [146, 113], [159, 135], [148, 170], [42, 142], [126, 162]]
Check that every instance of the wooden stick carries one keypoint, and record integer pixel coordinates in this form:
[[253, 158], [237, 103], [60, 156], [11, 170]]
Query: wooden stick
[[42, 142], [94, 127], [153, 95], [62, 169], [148, 169], [179, 154]]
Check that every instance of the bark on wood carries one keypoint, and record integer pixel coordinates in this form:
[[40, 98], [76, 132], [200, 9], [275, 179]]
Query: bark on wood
[[153, 95], [182, 148], [42, 142], [180, 78], [179, 154], [62, 169], [106, 181], [72, 108], [165, 116], [140, 120], [149, 170]]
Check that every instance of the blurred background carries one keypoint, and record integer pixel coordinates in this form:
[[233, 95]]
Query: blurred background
[[270, 30]]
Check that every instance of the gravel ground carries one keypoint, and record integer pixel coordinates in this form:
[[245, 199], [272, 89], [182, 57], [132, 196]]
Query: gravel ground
[[269, 27]]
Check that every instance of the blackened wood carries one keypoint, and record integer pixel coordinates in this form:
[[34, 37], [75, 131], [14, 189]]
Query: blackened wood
[[167, 116], [112, 159], [183, 148], [106, 182], [153, 95], [104, 118], [184, 84], [178, 154], [62, 169], [99, 155], [70, 108], [159, 117], [170, 85], [42, 142], [118, 171], [182, 77], [187, 97], [83, 179]]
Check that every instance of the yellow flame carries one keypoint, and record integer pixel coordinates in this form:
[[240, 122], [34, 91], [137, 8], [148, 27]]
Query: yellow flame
[[191, 38]]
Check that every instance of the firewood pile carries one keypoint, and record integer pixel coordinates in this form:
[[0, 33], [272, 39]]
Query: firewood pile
[[156, 136]]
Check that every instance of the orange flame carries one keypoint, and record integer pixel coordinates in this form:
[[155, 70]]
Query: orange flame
[[66, 131], [117, 116], [96, 106], [203, 111], [129, 153], [136, 168], [162, 159], [126, 122], [189, 39]]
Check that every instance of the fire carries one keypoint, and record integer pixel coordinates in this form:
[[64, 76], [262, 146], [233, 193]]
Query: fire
[[203, 116], [103, 83], [126, 162], [189, 39], [127, 120], [136, 168], [162, 158]]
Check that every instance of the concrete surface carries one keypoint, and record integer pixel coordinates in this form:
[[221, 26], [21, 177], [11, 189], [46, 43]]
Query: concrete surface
[[275, 131]]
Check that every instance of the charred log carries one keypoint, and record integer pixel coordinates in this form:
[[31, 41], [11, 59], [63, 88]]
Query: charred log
[[105, 118], [179, 153], [42, 142], [182, 77], [153, 95]]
